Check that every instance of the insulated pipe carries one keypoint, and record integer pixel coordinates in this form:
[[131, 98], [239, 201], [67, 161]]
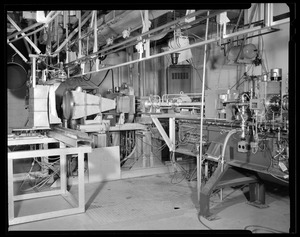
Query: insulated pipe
[[199, 160]]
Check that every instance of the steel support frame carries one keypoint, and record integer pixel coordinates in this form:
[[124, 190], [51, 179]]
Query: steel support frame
[[256, 190], [76, 206], [37, 50]]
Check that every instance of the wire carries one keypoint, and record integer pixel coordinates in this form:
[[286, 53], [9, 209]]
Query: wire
[[39, 181], [104, 77], [263, 227], [199, 218], [91, 66], [244, 75], [262, 50], [51, 66], [174, 175], [192, 64], [270, 166]]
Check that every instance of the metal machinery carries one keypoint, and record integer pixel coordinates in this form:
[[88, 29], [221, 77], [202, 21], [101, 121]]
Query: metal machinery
[[253, 143], [245, 135], [238, 137]]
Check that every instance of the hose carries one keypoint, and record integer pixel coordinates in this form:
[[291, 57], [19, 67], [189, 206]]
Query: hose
[[230, 133]]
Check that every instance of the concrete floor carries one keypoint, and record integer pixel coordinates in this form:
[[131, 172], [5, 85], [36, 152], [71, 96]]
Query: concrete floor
[[157, 203]]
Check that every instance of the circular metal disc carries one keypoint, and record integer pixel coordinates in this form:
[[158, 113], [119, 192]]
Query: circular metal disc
[[68, 104]]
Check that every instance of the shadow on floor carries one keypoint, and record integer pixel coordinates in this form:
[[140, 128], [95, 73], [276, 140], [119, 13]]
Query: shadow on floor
[[95, 194]]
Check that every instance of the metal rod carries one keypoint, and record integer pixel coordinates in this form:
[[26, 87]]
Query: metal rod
[[69, 36], [82, 17], [24, 30], [154, 30], [79, 34], [228, 36], [18, 52], [33, 71], [199, 161], [28, 34], [157, 55], [29, 41]]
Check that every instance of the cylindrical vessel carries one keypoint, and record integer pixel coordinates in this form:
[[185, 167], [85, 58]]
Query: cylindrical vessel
[[16, 76]]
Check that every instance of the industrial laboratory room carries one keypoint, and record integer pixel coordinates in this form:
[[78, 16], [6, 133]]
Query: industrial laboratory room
[[151, 119]]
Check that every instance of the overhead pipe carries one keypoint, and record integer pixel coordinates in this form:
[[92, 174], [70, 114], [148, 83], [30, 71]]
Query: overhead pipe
[[228, 36], [153, 31], [19, 29], [69, 36], [31, 27], [179, 49], [82, 17]]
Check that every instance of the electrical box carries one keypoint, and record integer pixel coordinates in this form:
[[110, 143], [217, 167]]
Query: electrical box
[[179, 78]]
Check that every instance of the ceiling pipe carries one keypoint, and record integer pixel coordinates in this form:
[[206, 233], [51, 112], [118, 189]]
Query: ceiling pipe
[[152, 31], [228, 36]]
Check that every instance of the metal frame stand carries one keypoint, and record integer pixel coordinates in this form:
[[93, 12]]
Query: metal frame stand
[[77, 206], [226, 178]]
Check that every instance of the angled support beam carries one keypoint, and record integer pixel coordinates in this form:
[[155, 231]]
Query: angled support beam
[[17, 51], [28, 40], [169, 141], [68, 37]]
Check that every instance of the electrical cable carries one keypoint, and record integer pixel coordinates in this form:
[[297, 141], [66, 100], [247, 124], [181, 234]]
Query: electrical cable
[[244, 75], [39, 181], [270, 166], [199, 218], [91, 66], [104, 77], [265, 228], [193, 65]]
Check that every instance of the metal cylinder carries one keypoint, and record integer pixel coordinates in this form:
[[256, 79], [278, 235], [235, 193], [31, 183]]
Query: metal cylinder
[[267, 14], [16, 76], [276, 74]]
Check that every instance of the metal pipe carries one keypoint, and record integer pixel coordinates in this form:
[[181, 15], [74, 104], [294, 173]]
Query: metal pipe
[[79, 34], [155, 30], [157, 55], [28, 34], [26, 29], [183, 48], [228, 36], [33, 26], [26, 37], [82, 17], [225, 144], [199, 161], [18, 52], [69, 36], [268, 14], [33, 71]]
